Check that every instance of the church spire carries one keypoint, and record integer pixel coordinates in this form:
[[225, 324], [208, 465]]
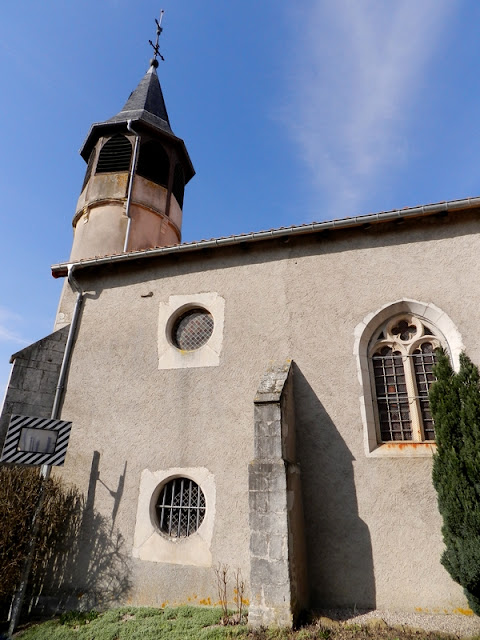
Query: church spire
[[132, 195], [147, 99], [145, 103]]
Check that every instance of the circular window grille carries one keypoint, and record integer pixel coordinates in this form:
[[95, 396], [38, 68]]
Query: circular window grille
[[193, 329], [180, 508]]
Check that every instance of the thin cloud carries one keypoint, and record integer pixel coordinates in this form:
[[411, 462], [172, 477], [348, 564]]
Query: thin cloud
[[355, 74], [8, 334]]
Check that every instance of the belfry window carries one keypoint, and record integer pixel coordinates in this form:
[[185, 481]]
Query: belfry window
[[153, 163], [88, 172], [115, 155], [178, 184], [402, 357]]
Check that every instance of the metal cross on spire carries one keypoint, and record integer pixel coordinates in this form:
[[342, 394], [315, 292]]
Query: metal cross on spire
[[156, 48]]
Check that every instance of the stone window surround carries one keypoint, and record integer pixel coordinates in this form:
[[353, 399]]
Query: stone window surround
[[363, 334], [208, 355], [150, 543]]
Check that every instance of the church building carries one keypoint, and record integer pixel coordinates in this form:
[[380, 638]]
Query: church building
[[257, 401]]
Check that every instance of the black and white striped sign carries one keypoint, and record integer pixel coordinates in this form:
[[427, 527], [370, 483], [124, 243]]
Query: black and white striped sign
[[36, 441]]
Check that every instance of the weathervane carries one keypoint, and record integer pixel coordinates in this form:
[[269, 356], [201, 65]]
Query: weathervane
[[155, 47]]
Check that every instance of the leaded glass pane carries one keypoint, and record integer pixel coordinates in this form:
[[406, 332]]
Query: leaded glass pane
[[424, 360], [392, 398]]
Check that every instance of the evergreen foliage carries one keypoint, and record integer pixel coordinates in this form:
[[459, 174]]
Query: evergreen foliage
[[455, 406]]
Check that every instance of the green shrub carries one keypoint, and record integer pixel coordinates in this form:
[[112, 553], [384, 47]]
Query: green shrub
[[77, 618], [455, 405]]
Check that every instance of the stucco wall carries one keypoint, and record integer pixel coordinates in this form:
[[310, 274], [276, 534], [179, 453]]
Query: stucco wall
[[372, 527]]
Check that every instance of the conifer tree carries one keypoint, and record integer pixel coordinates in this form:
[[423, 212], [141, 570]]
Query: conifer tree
[[455, 406]]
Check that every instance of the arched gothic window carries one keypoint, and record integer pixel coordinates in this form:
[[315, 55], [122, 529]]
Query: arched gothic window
[[401, 357]]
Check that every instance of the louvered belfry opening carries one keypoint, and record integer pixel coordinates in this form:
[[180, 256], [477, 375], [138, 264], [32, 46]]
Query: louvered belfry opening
[[88, 172], [180, 508], [178, 184], [115, 155], [153, 163]]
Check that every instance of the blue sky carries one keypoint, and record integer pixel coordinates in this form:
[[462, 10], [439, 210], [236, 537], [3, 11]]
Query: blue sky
[[291, 112]]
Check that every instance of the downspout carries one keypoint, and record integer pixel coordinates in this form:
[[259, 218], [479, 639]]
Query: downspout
[[130, 183], [67, 353]]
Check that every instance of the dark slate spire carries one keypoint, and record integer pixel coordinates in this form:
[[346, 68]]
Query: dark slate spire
[[146, 103], [144, 114], [145, 109]]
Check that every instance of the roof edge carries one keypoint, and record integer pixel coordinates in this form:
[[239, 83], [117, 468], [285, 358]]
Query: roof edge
[[60, 270]]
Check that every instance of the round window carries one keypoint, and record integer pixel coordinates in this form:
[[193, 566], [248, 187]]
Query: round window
[[180, 508], [192, 329]]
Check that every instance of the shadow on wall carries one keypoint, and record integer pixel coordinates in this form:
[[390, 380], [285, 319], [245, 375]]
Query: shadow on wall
[[90, 567], [339, 550], [92, 486]]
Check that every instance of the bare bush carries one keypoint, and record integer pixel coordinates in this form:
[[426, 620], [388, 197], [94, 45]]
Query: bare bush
[[221, 575], [238, 594], [20, 489]]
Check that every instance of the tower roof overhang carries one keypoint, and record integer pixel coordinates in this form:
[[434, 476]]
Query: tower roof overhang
[[143, 122]]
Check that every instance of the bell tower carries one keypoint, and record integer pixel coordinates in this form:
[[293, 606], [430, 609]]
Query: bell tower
[[137, 168]]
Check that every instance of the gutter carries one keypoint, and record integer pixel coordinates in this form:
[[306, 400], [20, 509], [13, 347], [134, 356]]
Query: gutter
[[69, 344], [60, 270]]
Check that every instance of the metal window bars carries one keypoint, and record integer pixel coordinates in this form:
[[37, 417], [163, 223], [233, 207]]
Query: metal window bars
[[392, 396], [393, 400], [180, 508], [193, 329]]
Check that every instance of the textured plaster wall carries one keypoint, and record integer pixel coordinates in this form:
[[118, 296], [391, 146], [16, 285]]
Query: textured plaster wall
[[372, 528], [100, 231]]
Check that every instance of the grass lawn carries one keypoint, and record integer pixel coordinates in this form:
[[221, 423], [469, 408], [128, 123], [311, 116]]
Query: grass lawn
[[185, 623]]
